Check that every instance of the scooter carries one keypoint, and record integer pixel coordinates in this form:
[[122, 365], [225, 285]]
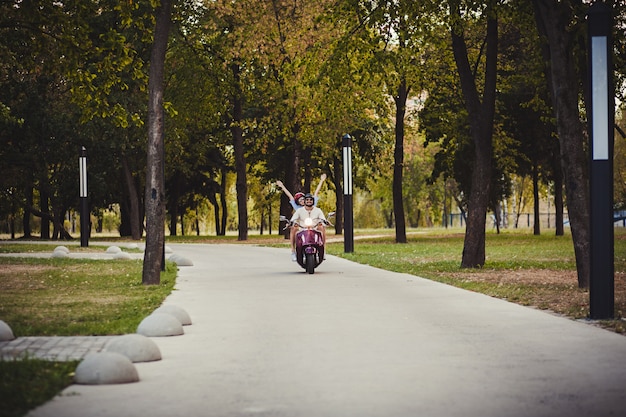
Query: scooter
[[309, 243]]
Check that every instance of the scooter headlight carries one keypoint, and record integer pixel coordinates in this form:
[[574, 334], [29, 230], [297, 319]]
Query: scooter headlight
[[308, 222]]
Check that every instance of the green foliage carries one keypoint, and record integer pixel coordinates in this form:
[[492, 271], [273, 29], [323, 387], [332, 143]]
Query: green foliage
[[113, 63], [310, 72], [523, 130]]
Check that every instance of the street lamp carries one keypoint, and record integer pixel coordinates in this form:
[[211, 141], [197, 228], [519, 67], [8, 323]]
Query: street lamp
[[84, 204], [348, 223], [601, 124]]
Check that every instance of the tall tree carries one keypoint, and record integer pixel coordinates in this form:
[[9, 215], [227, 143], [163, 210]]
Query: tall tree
[[524, 104], [481, 117], [155, 182], [562, 30], [241, 183], [397, 33]]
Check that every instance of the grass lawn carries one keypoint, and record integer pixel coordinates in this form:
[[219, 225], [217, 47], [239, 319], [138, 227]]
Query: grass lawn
[[29, 383], [67, 297]]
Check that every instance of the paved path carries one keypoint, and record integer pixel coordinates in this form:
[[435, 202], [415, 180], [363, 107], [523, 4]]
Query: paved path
[[352, 340], [55, 348]]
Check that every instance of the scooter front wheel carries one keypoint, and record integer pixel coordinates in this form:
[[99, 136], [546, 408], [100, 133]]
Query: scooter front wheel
[[310, 263]]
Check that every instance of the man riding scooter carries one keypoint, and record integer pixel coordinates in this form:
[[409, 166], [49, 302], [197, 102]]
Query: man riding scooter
[[296, 202], [309, 241], [310, 211]]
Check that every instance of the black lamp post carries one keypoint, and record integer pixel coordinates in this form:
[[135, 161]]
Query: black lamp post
[[348, 224], [84, 204], [601, 125]]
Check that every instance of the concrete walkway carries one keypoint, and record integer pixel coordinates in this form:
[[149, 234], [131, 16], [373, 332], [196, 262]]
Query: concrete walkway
[[355, 341]]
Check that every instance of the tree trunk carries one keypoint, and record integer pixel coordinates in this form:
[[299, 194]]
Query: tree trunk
[[197, 222], [223, 202], [133, 199], [58, 224], [557, 168], [537, 223], [12, 219], [28, 234], [553, 19], [398, 162], [155, 182], [241, 184], [308, 175], [216, 212], [292, 179], [60, 214], [558, 198], [173, 211], [124, 227], [481, 117], [519, 199], [497, 217], [172, 205], [44, 205]]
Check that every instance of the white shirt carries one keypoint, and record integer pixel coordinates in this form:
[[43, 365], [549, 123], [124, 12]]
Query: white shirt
[[316, 214]]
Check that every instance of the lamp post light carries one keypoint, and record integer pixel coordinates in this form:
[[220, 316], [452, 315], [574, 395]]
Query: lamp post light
[[601, 125], [348, 223], [84, 204]]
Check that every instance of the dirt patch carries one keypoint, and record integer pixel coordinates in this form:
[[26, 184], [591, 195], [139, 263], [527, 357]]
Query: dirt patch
[[19, 277], [555, 291], [527, 276], [13, 269]]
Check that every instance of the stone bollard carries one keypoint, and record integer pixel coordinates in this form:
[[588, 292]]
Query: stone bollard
[[6, 333], [136, 347], [175, 311], [160, 324], [105, 368]]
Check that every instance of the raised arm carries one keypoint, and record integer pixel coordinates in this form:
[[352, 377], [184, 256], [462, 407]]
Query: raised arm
[[319, 186], [286, 191]]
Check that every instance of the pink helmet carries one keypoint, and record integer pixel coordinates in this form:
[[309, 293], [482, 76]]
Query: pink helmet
[[298, 196]]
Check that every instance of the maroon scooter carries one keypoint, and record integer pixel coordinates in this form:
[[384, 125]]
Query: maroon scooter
[[309, 243]]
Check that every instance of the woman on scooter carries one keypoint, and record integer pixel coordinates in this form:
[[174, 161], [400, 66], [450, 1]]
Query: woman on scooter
[[297, 201]]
